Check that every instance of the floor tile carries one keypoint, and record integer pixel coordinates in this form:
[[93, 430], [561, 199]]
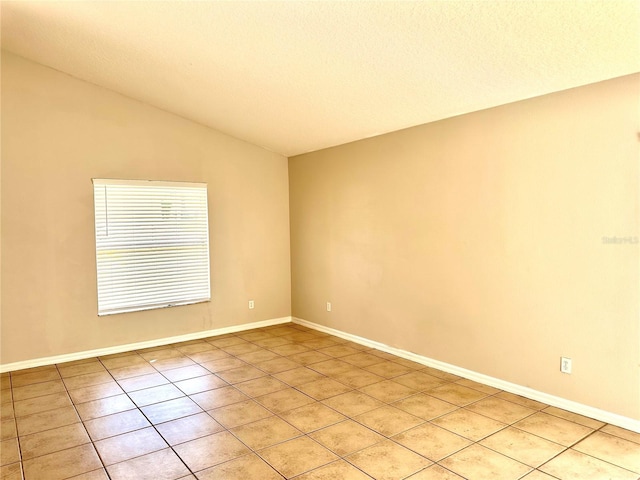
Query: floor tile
[[95, 392], [431, 441], [132, 371], [222, 364], [201, 384], [123, 361], [8, 429], [388, 461], [172, 363], [620, 452], [12, 471], [553, 428], [170, 410], [320, 343], [261, 386], [450, 377], [86, 380], [333, 471], [331, 367], [283, 400], [143, 381], [308, 358], [323, 388], [185, 373], [240, 413], [160, 465], [362, 359], [480, 463], [346, 437], [572, 465], [388, 420], [208, 356], [522, 446], [258, 356], [47, 420], [6, 395], [129, 445], [277, 365], [388, 369], [538, 475], [241, 348], [74, 370], [218, 398], [46, 375], [116, 424], [312, 417], [41, 404], [574, 417], [158, 394], [271, 342], [242, 468], [211, 450], [419, 381], [465, 382], [297, 456], [6, 411], [527, 402], [241, 374], [289, 349], [425, 406], [457, 394], [353, 403], [621, 433], [501, 410], [162, 354], [37, 390], [435, 472], [195, 348], [298, 376], [468, 424], [338, 351], [266, 432], [388, 391], [63, 464], [9, 451], [226, 341], [100, 474], [357, 378], [188, 428], [104, 406], [54, 440]]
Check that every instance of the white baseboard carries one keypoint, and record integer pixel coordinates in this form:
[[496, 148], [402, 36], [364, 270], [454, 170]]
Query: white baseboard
[[559, 402], [38, 362]]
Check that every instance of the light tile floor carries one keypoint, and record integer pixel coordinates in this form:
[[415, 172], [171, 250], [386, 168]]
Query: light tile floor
[[286, 401]]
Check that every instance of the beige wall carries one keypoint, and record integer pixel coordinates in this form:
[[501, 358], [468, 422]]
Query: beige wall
[[57, 134], [477, 241]]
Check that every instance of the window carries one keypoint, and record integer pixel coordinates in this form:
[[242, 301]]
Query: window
[[152, 244]]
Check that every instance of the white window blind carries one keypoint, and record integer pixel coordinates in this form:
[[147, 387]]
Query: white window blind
[[152, 244]]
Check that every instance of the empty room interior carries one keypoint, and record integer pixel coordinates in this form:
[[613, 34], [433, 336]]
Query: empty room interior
[[320, 240]]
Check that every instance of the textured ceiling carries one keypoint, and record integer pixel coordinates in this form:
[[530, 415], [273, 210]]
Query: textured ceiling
[[299, 76]]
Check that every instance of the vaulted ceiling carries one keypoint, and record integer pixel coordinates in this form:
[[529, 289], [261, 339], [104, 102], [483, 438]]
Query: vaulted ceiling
[[298, 76]]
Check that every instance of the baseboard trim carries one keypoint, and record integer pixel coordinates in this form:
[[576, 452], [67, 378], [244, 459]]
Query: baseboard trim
[[559, 402], [69, 357]]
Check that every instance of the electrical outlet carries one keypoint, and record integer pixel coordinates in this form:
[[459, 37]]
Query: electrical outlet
[[251, 305], [328, 306], [565, 365]]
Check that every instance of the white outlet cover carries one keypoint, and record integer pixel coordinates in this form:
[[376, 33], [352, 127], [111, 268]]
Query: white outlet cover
[[565, 365]]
